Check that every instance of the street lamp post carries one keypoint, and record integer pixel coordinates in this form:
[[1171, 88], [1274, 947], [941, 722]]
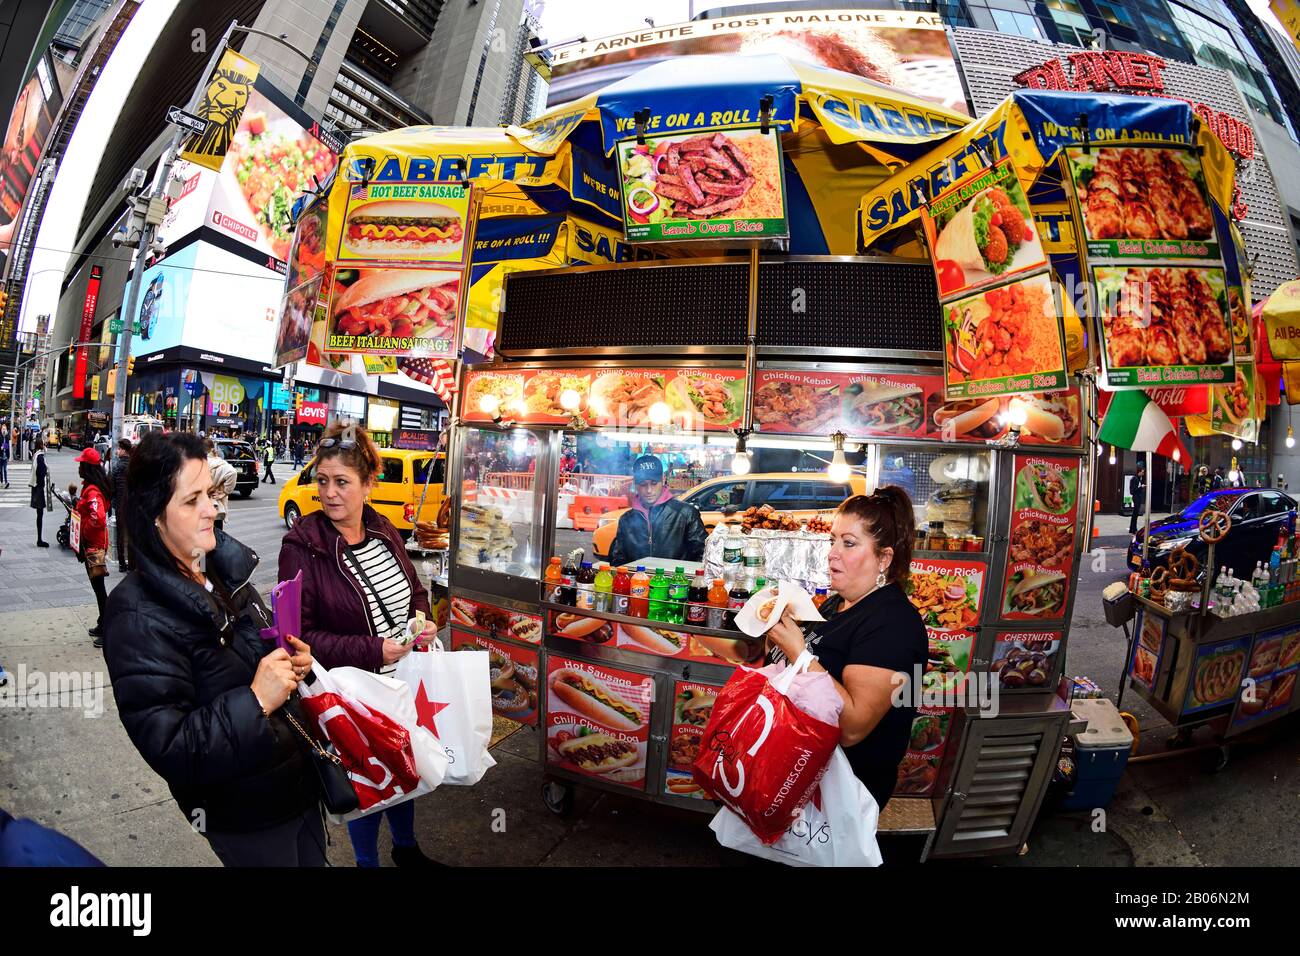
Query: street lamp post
[[146, 220]]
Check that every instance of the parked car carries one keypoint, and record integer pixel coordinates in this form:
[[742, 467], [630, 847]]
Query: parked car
[[135, 427], [1258, 514], [243, 457], [802, 494], [396, 494]]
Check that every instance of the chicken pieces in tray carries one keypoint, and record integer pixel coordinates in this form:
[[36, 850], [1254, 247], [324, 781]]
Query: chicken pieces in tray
[[1144, 194], [1165, 317]]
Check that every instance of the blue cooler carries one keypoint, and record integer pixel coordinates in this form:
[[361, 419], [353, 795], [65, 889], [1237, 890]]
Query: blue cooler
[[1100, 754]]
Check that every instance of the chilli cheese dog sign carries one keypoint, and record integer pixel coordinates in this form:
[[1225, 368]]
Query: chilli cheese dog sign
[[598, 721]]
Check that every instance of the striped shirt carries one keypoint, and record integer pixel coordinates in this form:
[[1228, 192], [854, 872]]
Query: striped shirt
[[389, 587]]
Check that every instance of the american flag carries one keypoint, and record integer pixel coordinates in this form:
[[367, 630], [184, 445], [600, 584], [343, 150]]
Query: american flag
[[434, 372]]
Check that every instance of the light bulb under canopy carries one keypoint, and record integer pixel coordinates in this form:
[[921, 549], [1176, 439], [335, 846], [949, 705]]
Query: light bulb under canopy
[[659, 413]]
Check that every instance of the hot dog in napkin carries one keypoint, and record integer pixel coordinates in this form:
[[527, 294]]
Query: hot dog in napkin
[[766, 607]]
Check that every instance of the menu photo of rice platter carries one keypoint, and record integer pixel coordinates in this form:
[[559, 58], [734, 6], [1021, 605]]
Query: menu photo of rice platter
[[1003, 341], [1143, 202], [722, 184], [981, 231], [1163, 325]]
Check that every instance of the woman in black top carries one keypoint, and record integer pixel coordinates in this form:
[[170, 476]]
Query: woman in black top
[[873, 638]]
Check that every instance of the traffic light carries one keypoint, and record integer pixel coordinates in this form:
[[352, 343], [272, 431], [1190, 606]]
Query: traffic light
[[130, 366], [297, 401]]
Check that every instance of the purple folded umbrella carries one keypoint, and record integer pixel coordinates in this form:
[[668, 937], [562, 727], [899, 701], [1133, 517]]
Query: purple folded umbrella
[[286, 606]]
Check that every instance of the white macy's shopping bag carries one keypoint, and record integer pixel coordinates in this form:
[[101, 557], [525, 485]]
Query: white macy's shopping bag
[[392, 698], [837, 827], [453, 695]]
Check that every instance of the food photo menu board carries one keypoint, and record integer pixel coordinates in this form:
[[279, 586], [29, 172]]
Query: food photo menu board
[[1040, 555], [598, 721], [1002, 332], [696, 399], [724, 184], [1154, 260], [513, 674], [692, 707], [905, 405], [1269, 687]]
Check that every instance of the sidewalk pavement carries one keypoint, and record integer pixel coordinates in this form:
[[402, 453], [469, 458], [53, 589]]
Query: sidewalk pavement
[[79, 773]]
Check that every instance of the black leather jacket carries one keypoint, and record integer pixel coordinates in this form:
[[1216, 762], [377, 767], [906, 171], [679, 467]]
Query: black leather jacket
[[181, 671], [674, 531]]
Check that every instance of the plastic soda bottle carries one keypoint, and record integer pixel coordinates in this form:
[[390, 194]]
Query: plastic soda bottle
[[679, 589], [639, 593], [697, 607], [586, 585], [622, 591], [553, 578], [604, 586], [659, 596], [718, 604]]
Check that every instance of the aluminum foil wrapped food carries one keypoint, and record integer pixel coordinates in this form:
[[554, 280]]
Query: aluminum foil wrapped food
[[797, 556], [954, 505]]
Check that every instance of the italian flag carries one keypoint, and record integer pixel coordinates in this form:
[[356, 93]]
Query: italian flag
[[1135, 422]]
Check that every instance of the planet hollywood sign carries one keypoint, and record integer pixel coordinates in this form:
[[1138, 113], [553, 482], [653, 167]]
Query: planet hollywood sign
[[1139, 74]]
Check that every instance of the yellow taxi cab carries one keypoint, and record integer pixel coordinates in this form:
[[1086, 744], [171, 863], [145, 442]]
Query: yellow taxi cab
[[396, 493], [802, 494]]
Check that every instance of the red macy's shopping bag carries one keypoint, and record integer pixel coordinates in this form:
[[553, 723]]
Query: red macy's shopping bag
[[761, 755], [375, 749]]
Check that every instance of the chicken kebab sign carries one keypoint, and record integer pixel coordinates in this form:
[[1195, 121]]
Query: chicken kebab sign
[[397, 279], [1002, 331], [1044, 519], [1155, 261]]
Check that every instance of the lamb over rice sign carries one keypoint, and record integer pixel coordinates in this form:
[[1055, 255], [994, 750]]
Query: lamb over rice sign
[[1138, 74]]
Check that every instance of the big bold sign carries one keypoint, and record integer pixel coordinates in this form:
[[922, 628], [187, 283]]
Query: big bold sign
[[87, 320], [313, 413], [1139, 74]]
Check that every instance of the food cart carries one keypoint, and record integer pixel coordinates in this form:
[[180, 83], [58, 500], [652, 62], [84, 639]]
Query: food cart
[[790, 329], [1235, 673]]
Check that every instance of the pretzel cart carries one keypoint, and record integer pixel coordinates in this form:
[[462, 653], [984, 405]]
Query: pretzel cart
[[672, 270], [1197, 665]]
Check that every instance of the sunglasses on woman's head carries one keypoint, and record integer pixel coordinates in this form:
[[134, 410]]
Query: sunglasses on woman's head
[[336, 443]]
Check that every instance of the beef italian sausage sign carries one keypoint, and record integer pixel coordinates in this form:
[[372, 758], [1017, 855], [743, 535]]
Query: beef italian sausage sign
[[1042, 538], [598, 721]]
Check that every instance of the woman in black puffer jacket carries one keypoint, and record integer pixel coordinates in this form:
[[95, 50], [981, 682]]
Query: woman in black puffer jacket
[[201, 696]]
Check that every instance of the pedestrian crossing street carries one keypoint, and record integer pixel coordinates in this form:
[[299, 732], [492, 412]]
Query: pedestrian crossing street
[[17, 495]]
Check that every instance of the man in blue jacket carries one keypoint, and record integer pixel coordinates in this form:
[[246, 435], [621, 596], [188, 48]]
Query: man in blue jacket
[[657, 525]]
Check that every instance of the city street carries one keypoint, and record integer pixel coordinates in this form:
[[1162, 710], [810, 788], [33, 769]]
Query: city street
[[82, 775]]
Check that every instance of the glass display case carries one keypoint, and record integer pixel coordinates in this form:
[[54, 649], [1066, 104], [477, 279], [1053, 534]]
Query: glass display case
[[949, 489], [501, 522]]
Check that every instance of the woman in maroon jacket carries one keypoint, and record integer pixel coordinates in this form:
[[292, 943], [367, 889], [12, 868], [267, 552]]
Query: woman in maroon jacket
[[92, 507], [359, 589]]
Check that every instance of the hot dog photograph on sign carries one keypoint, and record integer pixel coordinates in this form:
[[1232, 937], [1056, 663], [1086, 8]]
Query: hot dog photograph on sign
[[598, 721], [411, 222]]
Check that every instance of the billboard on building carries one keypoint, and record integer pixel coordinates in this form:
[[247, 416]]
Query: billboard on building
[[904, 50], [20, 154]]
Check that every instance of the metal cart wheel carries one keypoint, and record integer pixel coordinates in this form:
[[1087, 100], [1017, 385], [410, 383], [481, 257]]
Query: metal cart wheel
[[1225, 752], [558, 797]]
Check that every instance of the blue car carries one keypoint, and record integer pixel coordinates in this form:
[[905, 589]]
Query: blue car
[[1258, 514]]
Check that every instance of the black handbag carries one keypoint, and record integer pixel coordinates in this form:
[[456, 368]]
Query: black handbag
[[336, 789]]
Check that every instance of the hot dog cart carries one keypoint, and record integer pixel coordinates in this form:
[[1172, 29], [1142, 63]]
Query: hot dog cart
[[976, 480], [650, 274]]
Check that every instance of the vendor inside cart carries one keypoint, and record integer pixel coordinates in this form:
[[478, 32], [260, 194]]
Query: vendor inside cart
[[657, 525]]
